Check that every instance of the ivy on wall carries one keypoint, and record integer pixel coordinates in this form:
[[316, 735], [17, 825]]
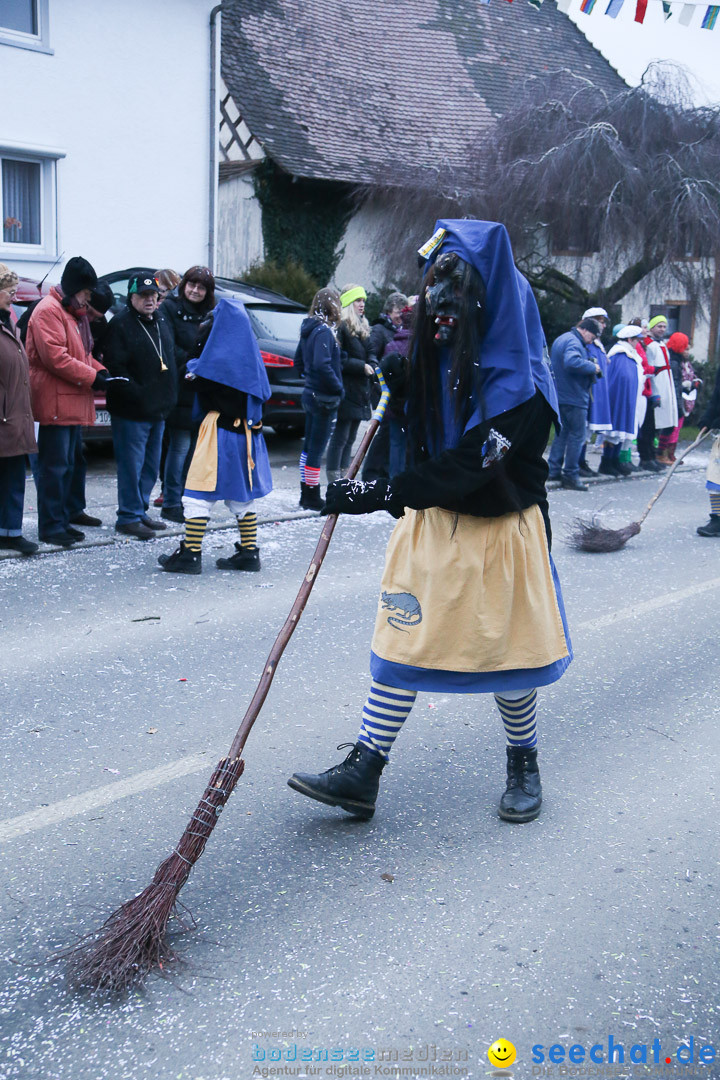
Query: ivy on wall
[[303, 221]]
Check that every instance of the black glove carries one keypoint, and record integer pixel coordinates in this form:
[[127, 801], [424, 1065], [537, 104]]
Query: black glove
[[360, 497], [394, 369], [100, 379]]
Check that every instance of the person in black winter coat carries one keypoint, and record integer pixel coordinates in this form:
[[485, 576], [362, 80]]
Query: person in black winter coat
[[711, 420], [317, 359], [140, 354], [383, 330], [357, 374], [184, 309]]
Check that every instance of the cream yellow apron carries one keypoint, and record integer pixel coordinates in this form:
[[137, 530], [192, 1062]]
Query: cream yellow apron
[[469, 594], [713, 467]]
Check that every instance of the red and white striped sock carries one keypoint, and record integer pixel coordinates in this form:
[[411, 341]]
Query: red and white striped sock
[[312, 476]]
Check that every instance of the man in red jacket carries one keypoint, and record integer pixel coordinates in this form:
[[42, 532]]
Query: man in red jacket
[[63, 375]]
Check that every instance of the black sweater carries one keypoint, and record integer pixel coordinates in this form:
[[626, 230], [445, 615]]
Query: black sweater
[[131, 350], [230, 403], [486, 476]]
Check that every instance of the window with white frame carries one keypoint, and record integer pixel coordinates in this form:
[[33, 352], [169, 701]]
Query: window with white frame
[[27, 204], [25, 24]]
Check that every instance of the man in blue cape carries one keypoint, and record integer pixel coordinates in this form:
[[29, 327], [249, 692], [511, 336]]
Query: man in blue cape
[[470, 600], [230, 461]]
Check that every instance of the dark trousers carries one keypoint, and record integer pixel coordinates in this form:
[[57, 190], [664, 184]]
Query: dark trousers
[[138, 445], [60, 477], [318, 425], [568, 445], [646, 436], [339, 449], [12, 494]]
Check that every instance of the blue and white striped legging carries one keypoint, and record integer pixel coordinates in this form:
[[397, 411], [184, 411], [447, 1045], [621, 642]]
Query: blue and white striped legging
[[388, 707]]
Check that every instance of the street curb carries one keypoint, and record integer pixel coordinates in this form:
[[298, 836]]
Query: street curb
[[300, 515]]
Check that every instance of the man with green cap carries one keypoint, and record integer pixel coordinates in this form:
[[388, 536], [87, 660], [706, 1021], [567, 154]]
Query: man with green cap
[[666, 413]]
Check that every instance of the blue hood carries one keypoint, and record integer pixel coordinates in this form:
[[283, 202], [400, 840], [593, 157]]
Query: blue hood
[[513, 352], [232, 356]]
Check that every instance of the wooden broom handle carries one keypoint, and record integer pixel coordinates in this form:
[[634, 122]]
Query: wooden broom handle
[[301, 599], [704, 432]]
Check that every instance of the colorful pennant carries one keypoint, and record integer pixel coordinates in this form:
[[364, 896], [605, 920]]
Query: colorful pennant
[[613, 8], [587, 6], [710, 19], [640, 10]]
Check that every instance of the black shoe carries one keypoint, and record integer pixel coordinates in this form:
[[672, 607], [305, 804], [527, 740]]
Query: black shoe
[[310, 497], [523, 794], [86, 519], [172, 513], [555, 476], [75, 533], [585, 470], [243, 559], [573, 485], [650, 466], [608, 468], [151, 523], [58, 539], [712, 528], [624, 468], [182, 561], [352, 785], [18, 543], [136, 529]]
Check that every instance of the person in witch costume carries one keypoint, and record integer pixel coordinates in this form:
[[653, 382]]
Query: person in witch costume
[[230, 461], [470, 600]]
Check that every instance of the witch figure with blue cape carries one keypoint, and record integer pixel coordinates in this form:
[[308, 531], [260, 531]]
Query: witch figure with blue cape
[[470, 601], [230, 461]]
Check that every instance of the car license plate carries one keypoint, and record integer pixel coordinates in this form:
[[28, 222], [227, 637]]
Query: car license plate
[[102, 418]]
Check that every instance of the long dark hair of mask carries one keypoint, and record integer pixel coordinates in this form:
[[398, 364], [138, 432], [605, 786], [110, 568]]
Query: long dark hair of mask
[[424, 410]]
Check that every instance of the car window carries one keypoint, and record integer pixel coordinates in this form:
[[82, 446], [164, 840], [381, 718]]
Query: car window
[[119, 289], [276, 323]]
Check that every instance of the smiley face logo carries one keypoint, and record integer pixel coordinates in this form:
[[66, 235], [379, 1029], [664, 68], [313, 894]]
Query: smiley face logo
[[502, 1053]]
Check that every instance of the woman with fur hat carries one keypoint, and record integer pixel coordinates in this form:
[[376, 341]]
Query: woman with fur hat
[[17, 436], [626, 379], [63, 377], [357, 374], [470, 601]]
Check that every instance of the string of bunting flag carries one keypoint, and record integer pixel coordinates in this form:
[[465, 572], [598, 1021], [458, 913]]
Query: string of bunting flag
[[613, 8]]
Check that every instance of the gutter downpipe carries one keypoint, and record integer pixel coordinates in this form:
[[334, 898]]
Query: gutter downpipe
[[214, 135]]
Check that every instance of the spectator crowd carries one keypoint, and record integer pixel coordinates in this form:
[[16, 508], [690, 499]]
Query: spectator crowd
[[172, 395]]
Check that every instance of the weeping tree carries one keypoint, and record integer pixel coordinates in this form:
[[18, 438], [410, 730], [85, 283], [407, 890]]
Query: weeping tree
[[631, 179]]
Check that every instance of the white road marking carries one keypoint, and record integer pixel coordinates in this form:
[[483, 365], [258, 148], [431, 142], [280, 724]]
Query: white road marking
[[96, 798]]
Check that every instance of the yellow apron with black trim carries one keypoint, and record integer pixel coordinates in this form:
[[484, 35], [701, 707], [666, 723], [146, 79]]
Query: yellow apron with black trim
[[469, 594]]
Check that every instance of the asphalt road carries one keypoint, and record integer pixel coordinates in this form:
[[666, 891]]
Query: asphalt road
[[420, 937]]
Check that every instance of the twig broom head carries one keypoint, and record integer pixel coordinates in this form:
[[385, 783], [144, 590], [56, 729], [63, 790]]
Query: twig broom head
[[593, 536], [131, 943]]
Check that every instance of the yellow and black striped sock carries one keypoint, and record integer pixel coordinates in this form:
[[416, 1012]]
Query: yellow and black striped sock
[[248, 530], [194, 532], [715, 502]]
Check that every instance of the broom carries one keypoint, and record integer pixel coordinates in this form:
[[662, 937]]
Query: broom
[[132, 942], [592, 536]]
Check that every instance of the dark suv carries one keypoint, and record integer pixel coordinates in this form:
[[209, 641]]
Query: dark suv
[[276, 322]]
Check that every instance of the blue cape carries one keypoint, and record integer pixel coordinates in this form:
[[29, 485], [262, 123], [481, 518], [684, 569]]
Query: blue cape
[[232, 356], [513, 353]]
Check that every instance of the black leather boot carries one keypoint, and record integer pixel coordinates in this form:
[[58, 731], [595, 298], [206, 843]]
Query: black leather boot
[[712, 528], [243, 559], [182, 561], [523, 795], [352, 785], [310, 497]]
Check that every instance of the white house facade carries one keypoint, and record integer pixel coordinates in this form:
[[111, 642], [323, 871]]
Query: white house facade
[[105, 146]]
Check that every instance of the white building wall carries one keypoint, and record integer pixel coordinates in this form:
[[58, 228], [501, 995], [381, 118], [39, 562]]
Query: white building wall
[[239, 231], [125, 96], [361, 246]]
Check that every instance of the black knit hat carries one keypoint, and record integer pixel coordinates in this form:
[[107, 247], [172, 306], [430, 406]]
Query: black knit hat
[[77, 275], [102, 298]]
